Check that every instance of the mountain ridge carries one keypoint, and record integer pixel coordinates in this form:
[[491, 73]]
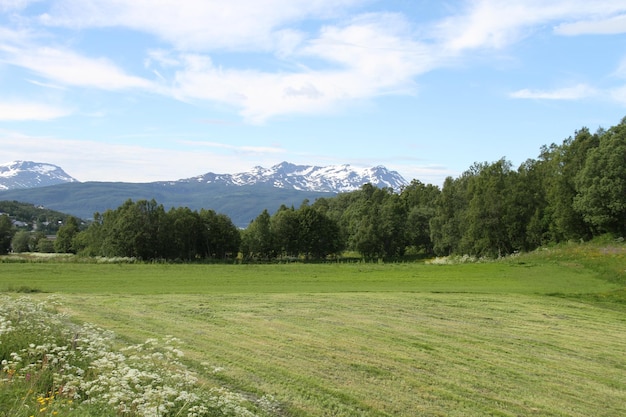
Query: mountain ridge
[[286, 175], [241, 198], [331, 178], [29, 174]]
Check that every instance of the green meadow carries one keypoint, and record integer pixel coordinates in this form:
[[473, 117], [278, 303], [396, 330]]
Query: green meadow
[[536, 334]]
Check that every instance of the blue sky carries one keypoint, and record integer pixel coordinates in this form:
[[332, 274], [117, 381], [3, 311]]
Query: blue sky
[[120, 90]]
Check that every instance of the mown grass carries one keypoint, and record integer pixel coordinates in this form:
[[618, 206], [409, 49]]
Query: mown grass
[[377, 354], [518, 277], [531, 335]]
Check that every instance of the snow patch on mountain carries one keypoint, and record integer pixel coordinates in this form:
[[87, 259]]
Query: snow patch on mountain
[[333, 178], [28, 174]]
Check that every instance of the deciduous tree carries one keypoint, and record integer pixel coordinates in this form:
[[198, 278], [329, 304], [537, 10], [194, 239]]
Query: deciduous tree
[[7, 230]]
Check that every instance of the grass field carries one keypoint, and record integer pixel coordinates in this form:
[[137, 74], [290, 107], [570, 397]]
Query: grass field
[[541, 334]]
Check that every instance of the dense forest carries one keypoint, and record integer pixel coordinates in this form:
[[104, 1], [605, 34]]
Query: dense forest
[[575, 190]]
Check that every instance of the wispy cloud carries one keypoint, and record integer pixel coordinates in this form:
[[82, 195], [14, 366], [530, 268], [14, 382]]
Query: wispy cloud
[[10, 5], [236, 148], [497, 24], [607, 26], [97, 161], [198, 25], [24, 111], [576, 92], [370, 56], [69, 68], [331, 62]]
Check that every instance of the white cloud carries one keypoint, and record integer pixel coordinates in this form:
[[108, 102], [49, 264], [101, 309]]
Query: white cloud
[[576, 92], [428, 174], [323, 68], [237, 149], [97, 161], [609, 26], [69, 68], [367, 57], [10, 5], [24, 111], [198, 24], [496, 24]]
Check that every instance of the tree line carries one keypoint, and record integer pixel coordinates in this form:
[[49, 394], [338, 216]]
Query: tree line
[[574, 190]]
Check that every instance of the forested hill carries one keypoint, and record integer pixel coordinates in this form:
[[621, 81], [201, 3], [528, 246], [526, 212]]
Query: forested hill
[[34, 217]]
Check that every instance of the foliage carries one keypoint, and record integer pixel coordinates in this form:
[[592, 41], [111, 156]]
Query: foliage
[[601, 183], [7, 230], [291, 233], [64, 242], [257, 238], [143, 229], [21, 241], [576, 190]]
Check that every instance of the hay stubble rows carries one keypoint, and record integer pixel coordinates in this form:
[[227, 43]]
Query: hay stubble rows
[[374, 340]]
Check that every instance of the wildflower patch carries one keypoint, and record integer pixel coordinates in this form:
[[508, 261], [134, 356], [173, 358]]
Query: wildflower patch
[[51, 366]]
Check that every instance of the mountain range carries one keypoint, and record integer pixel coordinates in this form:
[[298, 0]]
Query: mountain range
[[241, 196], [328, 179]]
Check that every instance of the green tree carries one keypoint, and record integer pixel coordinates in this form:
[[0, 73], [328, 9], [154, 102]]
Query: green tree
[[448, 225], [221, 237], [21, 241], [91, 241], [318, 235], [135, 229], [601, 184], [420, 200], [45, 245], [7, 230], [364, 226], [393, 226], [257, 238], [487, 229], [531, 181], [185, 236], [64, 242], [286, 231], [564, 163], [418, 228]]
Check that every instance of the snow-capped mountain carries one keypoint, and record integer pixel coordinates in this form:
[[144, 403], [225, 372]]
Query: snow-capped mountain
[[333, 178], [28, 174], [240, 196]]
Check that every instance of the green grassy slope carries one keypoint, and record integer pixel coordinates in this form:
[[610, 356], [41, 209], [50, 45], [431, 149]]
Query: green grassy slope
[[378, 340], [146, 279]]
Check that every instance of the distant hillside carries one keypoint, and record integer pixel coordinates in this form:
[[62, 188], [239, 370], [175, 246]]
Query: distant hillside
[[242, 204], [34, 217]]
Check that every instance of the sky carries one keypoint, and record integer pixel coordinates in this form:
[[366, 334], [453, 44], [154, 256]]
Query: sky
[[146, 90]]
